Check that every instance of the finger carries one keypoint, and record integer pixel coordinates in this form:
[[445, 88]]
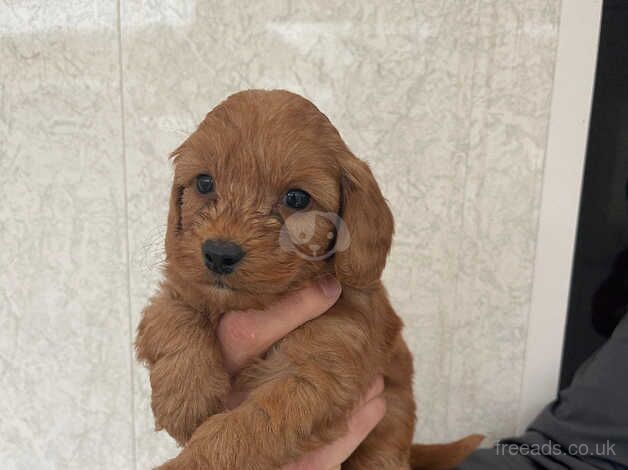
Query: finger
[[246, 334], [332, 455]]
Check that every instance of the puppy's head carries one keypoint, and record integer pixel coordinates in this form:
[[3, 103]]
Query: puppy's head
[[266, 197]]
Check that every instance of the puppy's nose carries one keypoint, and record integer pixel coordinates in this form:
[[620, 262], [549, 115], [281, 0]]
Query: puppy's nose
[[221, 257]]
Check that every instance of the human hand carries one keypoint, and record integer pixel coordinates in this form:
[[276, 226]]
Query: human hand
[[367, 414], [247, 334]]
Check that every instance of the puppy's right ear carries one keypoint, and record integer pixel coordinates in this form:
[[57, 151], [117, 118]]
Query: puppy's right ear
[[176, 201]]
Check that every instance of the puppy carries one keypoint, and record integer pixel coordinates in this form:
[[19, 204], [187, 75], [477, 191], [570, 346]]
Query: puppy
[[266, 199]]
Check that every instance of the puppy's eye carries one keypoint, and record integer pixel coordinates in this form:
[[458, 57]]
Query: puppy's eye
[[204, 184], [297, 199]]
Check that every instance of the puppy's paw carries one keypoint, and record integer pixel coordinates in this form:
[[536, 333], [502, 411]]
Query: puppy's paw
[[184, 397], [226, 441]]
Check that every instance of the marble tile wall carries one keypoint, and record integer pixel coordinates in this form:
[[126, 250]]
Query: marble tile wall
[[65, 381], [448, 100]]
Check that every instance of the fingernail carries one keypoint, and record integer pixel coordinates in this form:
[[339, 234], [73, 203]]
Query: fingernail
[[330, 286]]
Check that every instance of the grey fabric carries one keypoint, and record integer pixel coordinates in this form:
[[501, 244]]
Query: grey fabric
[[585, 428]]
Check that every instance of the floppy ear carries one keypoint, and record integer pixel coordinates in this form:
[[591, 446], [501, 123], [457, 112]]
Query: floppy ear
[[369, 222], [174, 211]]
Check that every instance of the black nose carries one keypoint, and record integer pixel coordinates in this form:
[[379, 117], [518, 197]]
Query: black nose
[[221, 257]]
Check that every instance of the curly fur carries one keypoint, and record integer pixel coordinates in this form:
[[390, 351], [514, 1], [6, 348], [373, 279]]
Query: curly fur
[[257, 145]]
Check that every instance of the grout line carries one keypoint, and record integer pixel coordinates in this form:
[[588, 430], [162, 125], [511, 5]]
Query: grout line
[[463, 214], [126, 229]]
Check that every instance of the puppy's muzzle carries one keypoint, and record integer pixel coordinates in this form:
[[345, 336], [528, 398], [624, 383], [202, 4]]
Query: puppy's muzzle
[[221, 257]]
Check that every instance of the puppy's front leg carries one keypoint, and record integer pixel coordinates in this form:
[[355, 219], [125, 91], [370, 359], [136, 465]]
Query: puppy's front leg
[[302, 394], [187, 378]]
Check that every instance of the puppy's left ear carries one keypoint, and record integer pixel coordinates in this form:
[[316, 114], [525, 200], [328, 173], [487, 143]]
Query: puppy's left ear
[[368, 219], [174, 212]]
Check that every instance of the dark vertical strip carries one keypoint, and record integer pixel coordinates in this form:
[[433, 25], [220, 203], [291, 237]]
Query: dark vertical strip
[[600, 271]]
